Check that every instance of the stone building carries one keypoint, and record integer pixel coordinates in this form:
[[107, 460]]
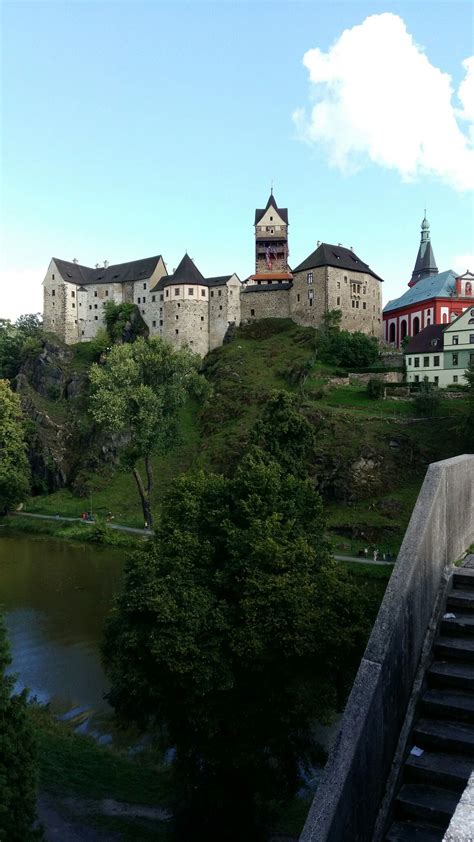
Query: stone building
[[331, 278], [441, 353]]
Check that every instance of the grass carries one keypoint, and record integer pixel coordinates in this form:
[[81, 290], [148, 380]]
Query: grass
[[63, 531]]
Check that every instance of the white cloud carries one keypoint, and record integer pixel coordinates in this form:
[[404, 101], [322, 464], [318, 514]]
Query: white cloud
[[21, 292], [463, 263], [377, 97]]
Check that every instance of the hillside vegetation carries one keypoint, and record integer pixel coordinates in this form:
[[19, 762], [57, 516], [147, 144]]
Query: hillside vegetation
[[369, 461]]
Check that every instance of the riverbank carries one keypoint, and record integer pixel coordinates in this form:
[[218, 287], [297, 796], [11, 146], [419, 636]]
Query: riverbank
[[72, 529]]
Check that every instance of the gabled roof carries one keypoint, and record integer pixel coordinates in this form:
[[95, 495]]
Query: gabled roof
[[427, 341], [134, 270], [282, 212], [329, 255], [433, 286], [220, 281], [188, 273]]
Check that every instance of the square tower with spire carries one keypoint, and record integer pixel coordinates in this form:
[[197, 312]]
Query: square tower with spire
[[271, 243]]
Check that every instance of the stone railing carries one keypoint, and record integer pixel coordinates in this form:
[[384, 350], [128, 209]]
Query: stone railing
[[441, 528]]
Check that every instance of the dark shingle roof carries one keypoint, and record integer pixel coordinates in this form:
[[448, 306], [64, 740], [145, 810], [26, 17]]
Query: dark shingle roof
[[134, 270], [328, 255], [188, 273], [429, 340], [220, 281], [282, 212], [425, 262], [267, 287]]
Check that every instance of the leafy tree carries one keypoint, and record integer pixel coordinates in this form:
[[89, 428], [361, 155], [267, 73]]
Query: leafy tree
[[285, 433], [17, 341], [14, 467], [375, 388], [124, 321], [234, 632], [342, 348], [469, 422], [137, 394], [426, 400], [18, 759]]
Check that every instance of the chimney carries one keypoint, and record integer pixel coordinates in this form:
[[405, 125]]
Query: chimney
[[106, 263], [318, 244], [75, 260], [97, 265]]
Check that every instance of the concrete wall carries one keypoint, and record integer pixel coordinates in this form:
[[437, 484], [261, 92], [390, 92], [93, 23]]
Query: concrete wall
[[348, 799]]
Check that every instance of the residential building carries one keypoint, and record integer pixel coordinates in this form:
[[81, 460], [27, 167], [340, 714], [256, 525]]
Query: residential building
[[442, 353]]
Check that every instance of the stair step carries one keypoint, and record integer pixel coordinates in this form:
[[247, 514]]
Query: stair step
[[463, 577], [461, 625], [427, 803], [451, 704], [414, 832], [445, 736], [460, 598], [451, 674], [455, 648], [437, 769]]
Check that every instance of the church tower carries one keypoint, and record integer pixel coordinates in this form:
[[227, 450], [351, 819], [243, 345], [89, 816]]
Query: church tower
[[271, 243], [425, 262]]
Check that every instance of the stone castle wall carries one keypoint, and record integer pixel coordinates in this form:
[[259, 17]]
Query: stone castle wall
[[274, 304]]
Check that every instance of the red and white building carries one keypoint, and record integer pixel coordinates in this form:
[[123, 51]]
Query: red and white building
[[432, 298]]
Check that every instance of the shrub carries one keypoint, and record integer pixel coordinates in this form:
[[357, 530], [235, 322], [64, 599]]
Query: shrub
[[426, 400], [375, 388]]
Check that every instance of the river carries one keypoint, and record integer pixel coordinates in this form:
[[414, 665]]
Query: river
[[55, 596]]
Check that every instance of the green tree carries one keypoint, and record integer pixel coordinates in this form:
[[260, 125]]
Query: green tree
[[426, 399], [17, 341], [124, 321], [235, 631], [137, 394], [375, 388], [14, 467], [285, 433], [18, 757], [342, 348], [469, 421]]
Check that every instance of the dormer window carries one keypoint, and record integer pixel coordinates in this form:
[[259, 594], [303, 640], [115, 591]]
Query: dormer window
[[176, 291]]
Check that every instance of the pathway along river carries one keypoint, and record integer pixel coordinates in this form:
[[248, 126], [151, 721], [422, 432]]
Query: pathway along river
[[56, 596]]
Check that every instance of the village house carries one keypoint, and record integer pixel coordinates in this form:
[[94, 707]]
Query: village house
[[441, 354]]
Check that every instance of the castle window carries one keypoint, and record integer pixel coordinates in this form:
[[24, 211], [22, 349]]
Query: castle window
[[161, 296], [80, 303], [426, 362], [179, 305], [364, 290], [455, 359], [176, 317], [191, 291], [53, 291], [144, 300], [96, 317], [230, 292], [345, 279], [73, 304], [52, 321], [364, 305], [203, 293], [90, 306], [139, 301], [212, 294], [52, 277], [357, 305], [73, 294], [353, 303], [220, 306], [167, 293], [95, 294], [298, 297], [154, 324], [106, 292], [176, 291], [338, 301], [219, 292], [75, 321], [309, 277], [436, 361], [271, 219], [161, 322], [144, 286], [82, 332], [252, 312], [143, 312], [95, 306], [471, 339], [202, 318], [455, 340], [339, 285], [176, 331], [153, 297]]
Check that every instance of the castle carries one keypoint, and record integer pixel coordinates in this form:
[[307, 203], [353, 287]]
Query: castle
[[185, 308]]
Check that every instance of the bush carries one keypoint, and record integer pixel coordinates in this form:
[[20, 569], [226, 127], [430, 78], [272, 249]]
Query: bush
[[426, 400], [375, 388]]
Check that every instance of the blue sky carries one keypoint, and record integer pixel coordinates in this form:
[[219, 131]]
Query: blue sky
[[131, 129]]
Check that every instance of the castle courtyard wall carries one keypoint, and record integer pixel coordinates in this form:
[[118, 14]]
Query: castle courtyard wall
[[274, 304]]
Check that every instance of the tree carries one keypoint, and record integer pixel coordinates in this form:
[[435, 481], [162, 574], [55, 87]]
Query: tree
[[426, 400], [124, 321], [342, 348], [14, 467], [234, 632], [375, 388], [285, 433], [469, 422], [137, 394], [17, 341], [18, 757]]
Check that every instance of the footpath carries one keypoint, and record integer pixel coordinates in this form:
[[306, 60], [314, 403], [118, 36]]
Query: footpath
[[149, 532]]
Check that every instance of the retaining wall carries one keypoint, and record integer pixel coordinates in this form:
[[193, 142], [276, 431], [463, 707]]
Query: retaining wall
[[441, 528]]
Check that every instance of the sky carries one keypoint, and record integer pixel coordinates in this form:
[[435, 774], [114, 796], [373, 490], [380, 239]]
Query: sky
[[132, 129]]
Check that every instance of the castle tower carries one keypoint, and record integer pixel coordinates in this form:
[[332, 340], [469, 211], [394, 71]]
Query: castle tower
[[425, 262], [186, 307], [271, 243]]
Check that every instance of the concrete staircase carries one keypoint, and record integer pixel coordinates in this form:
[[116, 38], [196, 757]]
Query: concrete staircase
[[433, 782]]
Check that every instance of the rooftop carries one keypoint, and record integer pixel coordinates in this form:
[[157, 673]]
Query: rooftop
[[134, 270], [428, 340], [282, 212], [432, 286], [329, 255]]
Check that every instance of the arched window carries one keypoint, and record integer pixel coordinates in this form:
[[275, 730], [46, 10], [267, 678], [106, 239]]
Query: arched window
[[403, 329], [391, 336], [416, 326], [445, 318]]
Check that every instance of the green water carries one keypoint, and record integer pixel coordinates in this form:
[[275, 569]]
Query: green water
[[55, 596]]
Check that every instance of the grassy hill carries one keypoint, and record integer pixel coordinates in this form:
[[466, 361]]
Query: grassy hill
[[370, 459]]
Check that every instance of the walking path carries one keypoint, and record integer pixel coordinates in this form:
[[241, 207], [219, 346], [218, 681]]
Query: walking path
[[149, 532]]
